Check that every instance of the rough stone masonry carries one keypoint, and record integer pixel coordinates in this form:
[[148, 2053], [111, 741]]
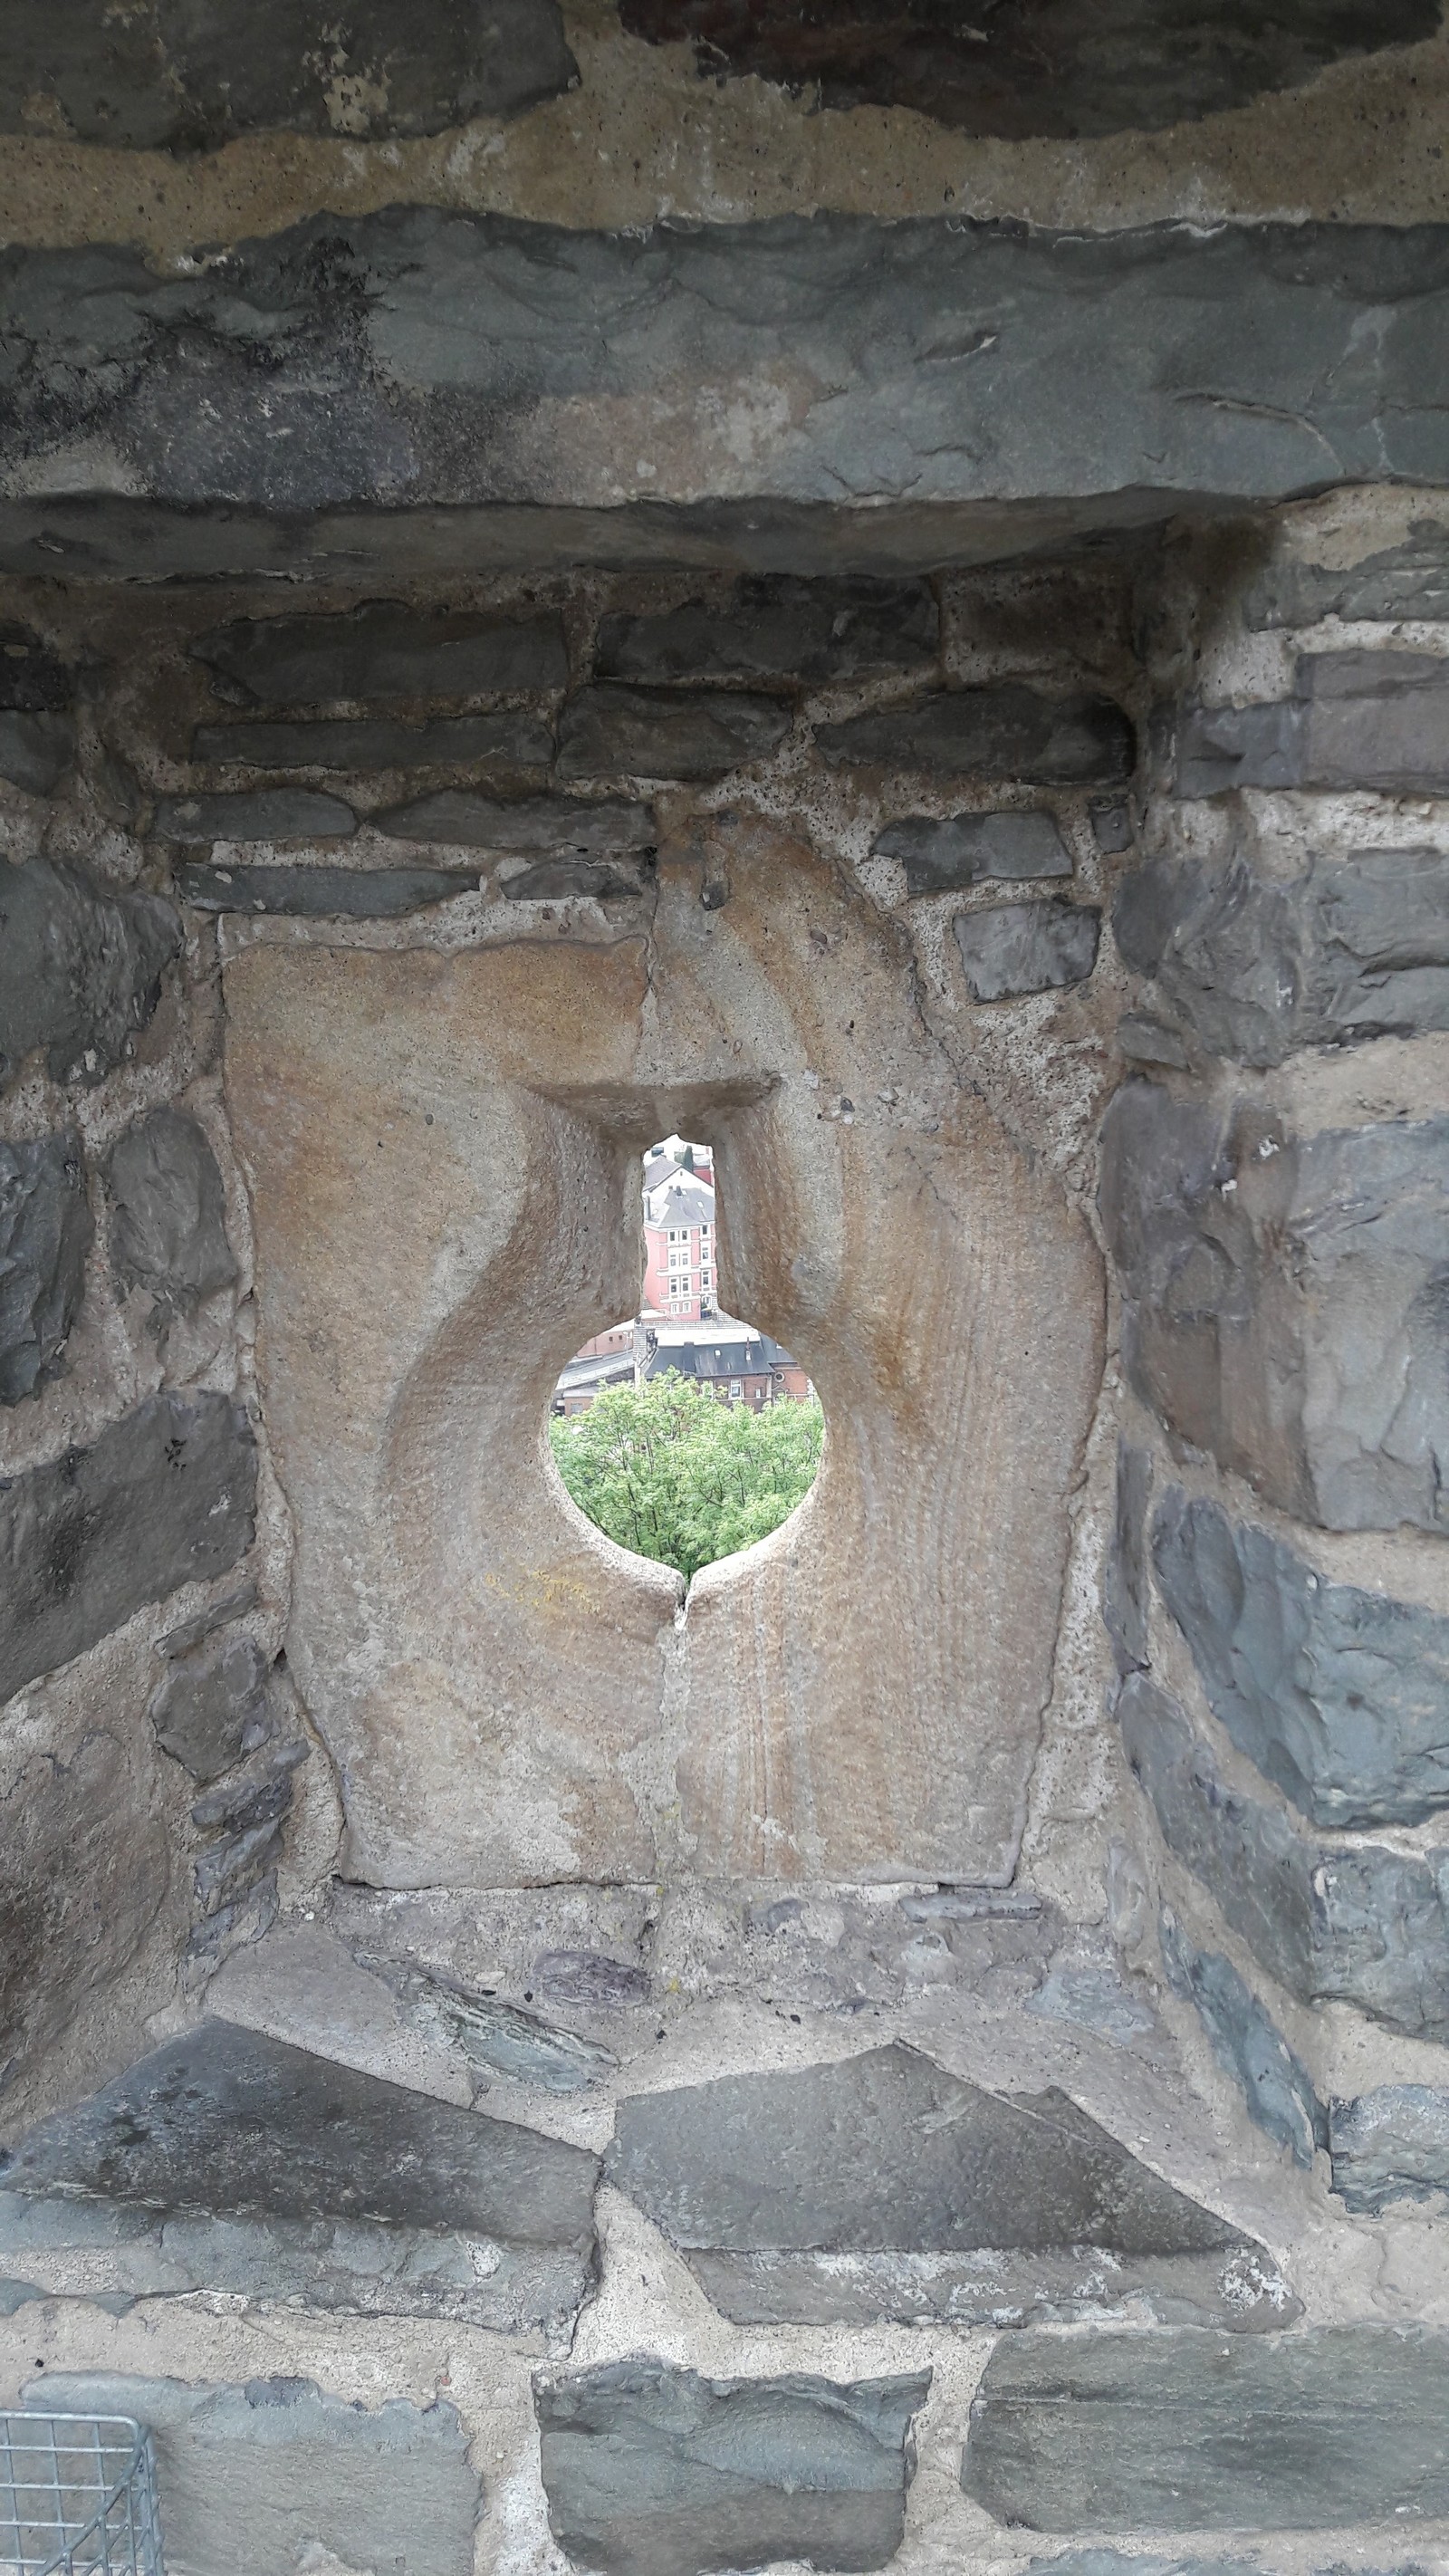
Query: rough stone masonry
[[875, 592]]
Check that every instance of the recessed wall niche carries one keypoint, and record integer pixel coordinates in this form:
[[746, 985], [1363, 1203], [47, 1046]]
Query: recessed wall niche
[[442, 1150]]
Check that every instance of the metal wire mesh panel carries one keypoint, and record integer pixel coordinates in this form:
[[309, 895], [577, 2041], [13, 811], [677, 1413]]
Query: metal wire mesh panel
[[78, 2496]]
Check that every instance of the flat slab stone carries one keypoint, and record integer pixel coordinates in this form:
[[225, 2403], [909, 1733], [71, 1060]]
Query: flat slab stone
[[610, 732], [777, 627], [1019, 948], [939, 855], [559, 826], [168, 1210], [35, 750], [1388, 2145], [322, 893], [1188, 2431], [1006, 730], [653, 2471], [1247, 2044], [228, 2160], [1341, 1697], [212, 1706], [882, 2188], [45, 1234], [80, 968], [166, 1496], [269, 2475], [384, 651], [504, 738], [1409, 580], [254, 814]]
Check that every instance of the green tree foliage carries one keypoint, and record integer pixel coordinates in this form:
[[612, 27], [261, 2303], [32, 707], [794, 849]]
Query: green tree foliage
[[672, 1473]]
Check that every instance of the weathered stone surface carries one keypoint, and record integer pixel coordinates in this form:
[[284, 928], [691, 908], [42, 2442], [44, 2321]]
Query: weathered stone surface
[[1410, 580], [168, 1210], [504, 738], [939, 856], [385, 651], [1254, 967], [559, 880], [33, 679], [776, 627], [573, 826], [1018, 948], [1194, 2432], [591, 1977], [322, 893], [254, 814], [265, 2477], [1283, 1300], [164, 1497], [35, 750], [1124, 1577], [1032, 70], [1359, 1924], [187, 78], [191, 1633], [891, 1727], [1358, 719], [882, 2188], [1391, 2144], [1143, 1040], [1007, 730], [1115, 2562], [1111, 826], [1341, 1697], [231, 2161], [1247, 2044], [212, 1707], [610, 731], [653, 2471], [498, 2037], [377, 364], [1218, 747], [80, 968], [45, 1234]]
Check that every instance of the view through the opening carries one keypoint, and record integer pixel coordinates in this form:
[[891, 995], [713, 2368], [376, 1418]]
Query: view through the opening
[[684, 1433]]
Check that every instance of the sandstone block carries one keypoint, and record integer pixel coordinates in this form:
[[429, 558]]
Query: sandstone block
[[1282, 1300], [505, 738], [45, 1234], [777, 627], [1361, 1924], [168, 1202], [227, 2160], [1247, 2044], [164, 1497], [1004, 731], [261, 2477], [1340, 1697], [212, 1707], [880, 2188], [1018, 948], [557, 825], [654, 2471], [1195, 2432], [254, 814], [941, 855], [609, 731], [385, 651], [1388, 2145], [322, 894], [80, 968], [35, 750]]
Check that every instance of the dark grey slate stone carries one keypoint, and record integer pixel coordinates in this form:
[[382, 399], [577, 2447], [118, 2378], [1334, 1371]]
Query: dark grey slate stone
[[168, 1210], [654, 2471], [1114, 2562], [322, 893], [560, 880], [191, 1633], [45, 1234], [1247, 2044], [1196, 2432], [942, 855], [1124, 1577], [1341, 1697], [329, 383], [1283, 1300], [234, 1926], [213, 1706], [259, 1793], [244, 2164], [555, 826], [33, 680], [1019, 948], [228, 1873], [1006, 730], [35, 750], [1391, 2144], [499, 2038], [1357, 1924], [254, 814], [776, 627], [1112, 826], [262, 2477], [1145, 1041], [80, 968], [1357, 719], [1404, 581], [590, 1977], [881, 2187], [164, 1497], [185, 77], [610, 731], [1255, 967], [505, 738], [1219, 747], [385, 650]]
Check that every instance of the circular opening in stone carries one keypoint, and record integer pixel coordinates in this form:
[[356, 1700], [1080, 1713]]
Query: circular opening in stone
[[682, 1432]]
